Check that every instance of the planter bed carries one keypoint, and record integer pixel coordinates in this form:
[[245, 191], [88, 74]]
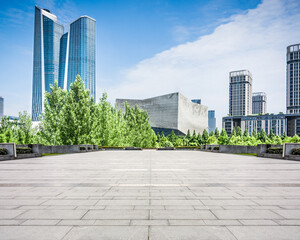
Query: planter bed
[[112, 148], [270, 155], [27, 155], [187, 148], [6, 157], [166, 148], [133, 148]]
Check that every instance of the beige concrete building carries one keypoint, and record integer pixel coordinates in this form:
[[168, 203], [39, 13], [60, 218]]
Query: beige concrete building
[[171, 112]]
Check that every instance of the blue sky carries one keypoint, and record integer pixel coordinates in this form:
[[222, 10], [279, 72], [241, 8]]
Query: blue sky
[[146, 43]]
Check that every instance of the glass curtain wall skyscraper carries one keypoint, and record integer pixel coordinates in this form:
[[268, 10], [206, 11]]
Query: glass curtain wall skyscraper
[[240, 93], [293, 79], [82, 53], [60, 56], [1, 107], [47, 34]]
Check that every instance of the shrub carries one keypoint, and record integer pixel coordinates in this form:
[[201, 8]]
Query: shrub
[[274, 150], [82, 148], [216, 148], [23, 150], [3, 151], [295, 151]]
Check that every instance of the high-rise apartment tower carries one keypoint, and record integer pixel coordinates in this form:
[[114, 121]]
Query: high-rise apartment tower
[[293, 79], [259, 103], [240, 93]]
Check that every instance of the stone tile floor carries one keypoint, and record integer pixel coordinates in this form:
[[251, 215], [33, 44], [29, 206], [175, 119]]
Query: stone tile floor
[[155, 195]]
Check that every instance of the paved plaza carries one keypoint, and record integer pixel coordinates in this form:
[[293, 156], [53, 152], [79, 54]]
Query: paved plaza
[[157, 195]]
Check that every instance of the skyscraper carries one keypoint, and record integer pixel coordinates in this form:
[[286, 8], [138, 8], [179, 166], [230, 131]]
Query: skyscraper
[[61, 56], [211, 121], [62, 60], [240, 93], [259, 103], [47, 34], [293, 79], [82, 54], [1, 107]]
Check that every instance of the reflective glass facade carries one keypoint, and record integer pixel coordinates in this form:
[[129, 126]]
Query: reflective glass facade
[[1, 107], [82, 53], [211, 121], [47, 34], [62, 60], [59, 56]]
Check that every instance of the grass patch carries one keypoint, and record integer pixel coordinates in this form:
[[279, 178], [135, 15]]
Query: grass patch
[[247, 154], [51, 154]]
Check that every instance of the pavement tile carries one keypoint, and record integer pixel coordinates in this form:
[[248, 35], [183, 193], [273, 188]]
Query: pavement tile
[[108, 233]]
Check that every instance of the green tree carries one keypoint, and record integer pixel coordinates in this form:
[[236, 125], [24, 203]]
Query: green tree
[[223, 138], [271, 135], [76, 124], [205, 136], [239, 132], [217, 132], [233, 133], [246, 134]]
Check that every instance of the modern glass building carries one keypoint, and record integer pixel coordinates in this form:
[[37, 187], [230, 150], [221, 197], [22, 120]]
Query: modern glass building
[[259, 103], [47, 34], [211, 121], [240, 93], [1, 107], [198, 101], [62, 60], [81, 55], [293, 79]]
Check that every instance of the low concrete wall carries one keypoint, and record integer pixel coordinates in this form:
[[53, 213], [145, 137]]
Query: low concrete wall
[[210, 147], [11, 148], [288, 147], [262, 149], [36, 148], [237, 149], [61, 149]]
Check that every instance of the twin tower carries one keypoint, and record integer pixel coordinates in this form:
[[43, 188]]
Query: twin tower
[[61, 56]]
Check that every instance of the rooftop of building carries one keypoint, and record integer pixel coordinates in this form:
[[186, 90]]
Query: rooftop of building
[[240, 73]]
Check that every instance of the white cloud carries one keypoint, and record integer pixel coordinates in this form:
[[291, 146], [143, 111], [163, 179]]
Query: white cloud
[[255, 40]]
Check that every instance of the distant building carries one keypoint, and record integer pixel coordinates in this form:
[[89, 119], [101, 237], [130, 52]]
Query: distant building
[[240, 93], [211, 121], [259, 103], [280, 123], [171, 112], [61, 56], [293, 79], [1, 107], [198, 101]]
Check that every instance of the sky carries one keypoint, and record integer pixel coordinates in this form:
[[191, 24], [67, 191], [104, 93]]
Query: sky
[[153, 47]]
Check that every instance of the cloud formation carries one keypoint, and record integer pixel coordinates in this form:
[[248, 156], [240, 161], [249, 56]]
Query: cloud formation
[[255, 40]]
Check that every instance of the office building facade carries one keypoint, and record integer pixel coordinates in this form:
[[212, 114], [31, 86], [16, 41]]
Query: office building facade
[[293, 79], [47, 34], [51, 58], [1, 107], [211, 121], [259, 103], [240, 93], [82, 53]]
